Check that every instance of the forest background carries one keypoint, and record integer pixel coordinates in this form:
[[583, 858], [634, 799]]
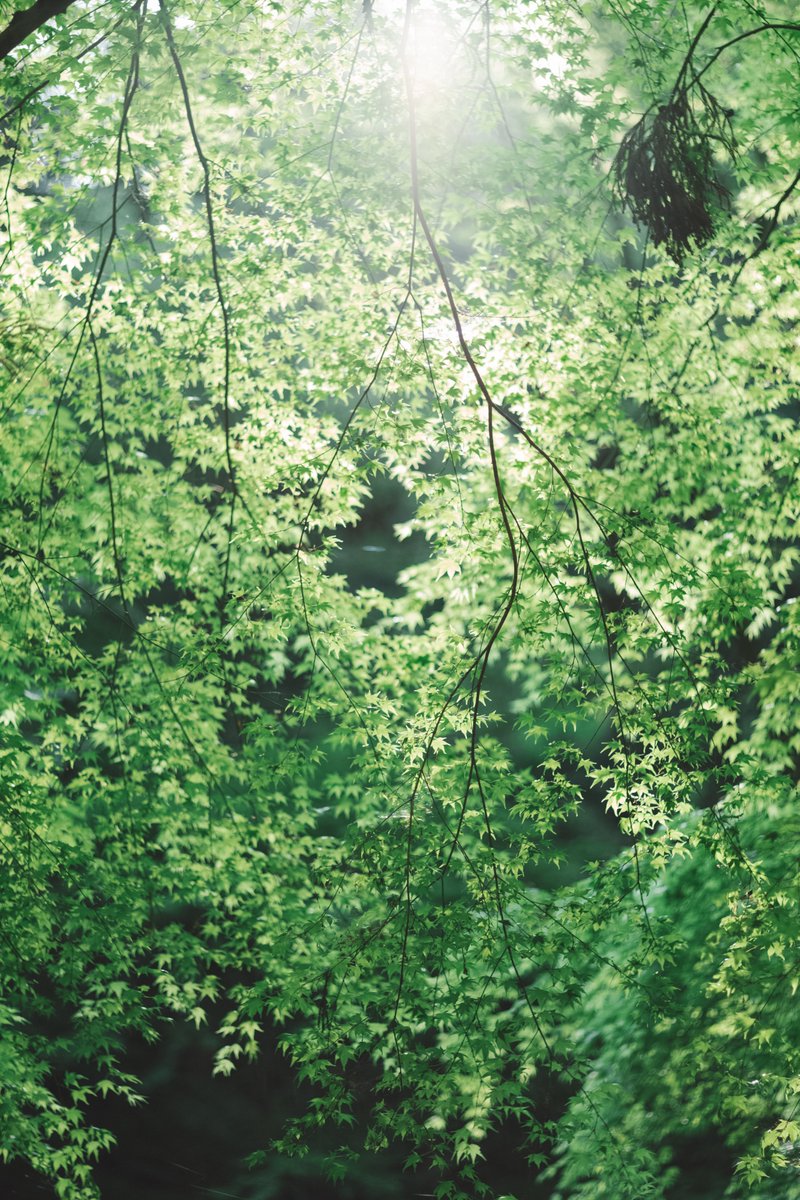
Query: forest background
[[398, 572]]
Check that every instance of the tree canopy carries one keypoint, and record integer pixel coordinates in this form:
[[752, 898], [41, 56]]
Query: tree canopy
[[523, 276]]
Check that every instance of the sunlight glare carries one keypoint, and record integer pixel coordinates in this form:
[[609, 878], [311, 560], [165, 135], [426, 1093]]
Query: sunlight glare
[[430, 50]]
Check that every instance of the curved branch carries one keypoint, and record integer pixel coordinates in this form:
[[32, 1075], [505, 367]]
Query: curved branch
[[26, 22], [791, 26]]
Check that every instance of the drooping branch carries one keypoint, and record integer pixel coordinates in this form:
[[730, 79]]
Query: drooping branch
[[26, 22]]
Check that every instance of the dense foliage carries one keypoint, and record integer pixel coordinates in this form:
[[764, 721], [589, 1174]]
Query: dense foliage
[[262, 264]]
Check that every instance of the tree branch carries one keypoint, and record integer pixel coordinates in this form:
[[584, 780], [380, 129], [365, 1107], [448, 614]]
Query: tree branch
[[24, 23]]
